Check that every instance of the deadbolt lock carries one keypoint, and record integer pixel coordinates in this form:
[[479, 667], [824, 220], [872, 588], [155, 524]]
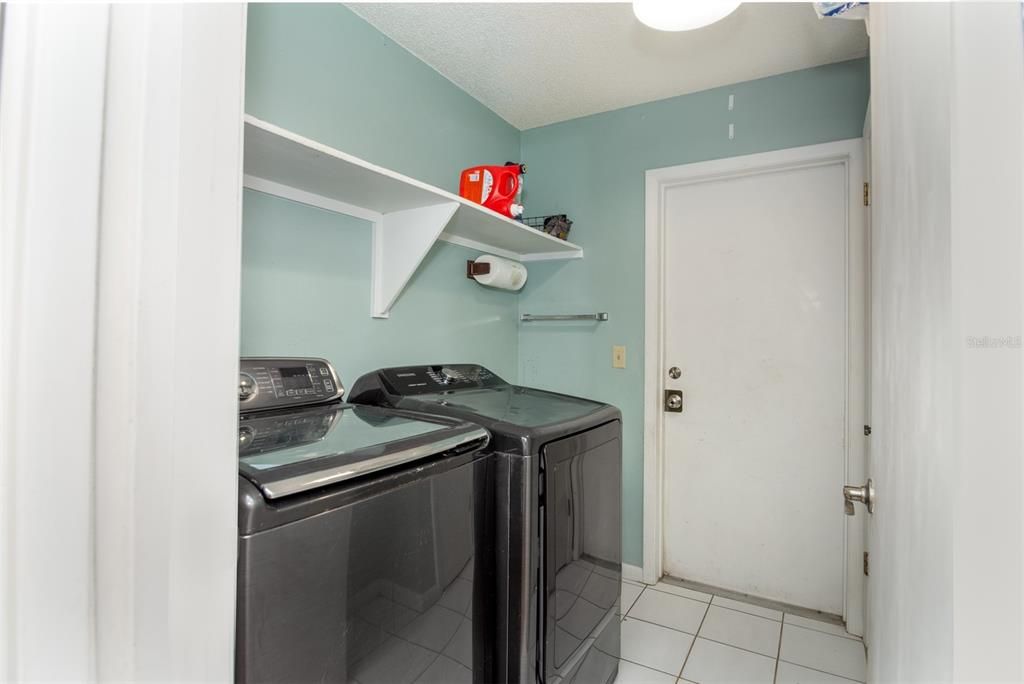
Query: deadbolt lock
[[673, 401], [674, 372]]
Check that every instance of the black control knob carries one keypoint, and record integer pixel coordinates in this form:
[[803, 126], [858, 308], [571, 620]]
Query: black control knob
[[246, 387]]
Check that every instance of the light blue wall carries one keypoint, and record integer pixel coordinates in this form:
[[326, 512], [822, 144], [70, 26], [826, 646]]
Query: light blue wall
[[306, 291], [325, 73], [593, 169], [320, 70]]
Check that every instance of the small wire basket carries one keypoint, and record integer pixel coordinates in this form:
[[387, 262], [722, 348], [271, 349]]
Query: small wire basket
[[555, 224]]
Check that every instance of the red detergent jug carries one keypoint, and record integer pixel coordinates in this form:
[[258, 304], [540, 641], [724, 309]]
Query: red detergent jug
[[495, 187]]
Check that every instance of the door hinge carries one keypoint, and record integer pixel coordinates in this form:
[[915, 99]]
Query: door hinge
[[867, 430], [866, 564], [867, 194]]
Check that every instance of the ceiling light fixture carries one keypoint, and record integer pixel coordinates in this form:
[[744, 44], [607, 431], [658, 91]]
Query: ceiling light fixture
[[682, 15]]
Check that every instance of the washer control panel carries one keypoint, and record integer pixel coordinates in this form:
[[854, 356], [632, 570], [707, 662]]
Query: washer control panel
[[413, 380], [267, 383]]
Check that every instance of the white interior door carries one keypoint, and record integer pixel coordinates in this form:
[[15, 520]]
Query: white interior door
[[757, 318]]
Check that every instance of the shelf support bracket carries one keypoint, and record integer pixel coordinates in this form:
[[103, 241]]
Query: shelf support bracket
[[401, 240]]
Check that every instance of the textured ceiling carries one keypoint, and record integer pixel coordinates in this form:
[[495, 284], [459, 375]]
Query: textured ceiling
[[538, 63]]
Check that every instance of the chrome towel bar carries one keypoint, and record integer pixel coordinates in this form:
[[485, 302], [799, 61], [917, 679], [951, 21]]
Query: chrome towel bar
[[526, 318]]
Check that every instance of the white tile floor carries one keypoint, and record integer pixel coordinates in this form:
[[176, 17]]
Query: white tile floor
[[675, 635]]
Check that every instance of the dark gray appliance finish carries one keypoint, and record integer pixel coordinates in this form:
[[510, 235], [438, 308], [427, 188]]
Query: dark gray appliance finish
[[375, 562], [558, 463], [271, 383], [287, 452]]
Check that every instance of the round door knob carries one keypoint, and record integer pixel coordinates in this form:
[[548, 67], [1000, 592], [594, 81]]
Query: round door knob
[[674, 402], [246, 387], [245, 436]]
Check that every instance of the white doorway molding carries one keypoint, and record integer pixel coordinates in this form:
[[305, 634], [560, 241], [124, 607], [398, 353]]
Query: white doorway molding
[[120, 242], [848, 153]]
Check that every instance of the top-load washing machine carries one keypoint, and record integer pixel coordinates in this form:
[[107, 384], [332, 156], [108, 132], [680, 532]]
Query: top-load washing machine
[[364, 550], [558, 530]]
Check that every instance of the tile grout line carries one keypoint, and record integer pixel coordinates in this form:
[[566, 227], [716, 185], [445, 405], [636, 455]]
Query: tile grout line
[[646, 667], [851, 637], [672, 593], [631, 603], [816, 669], [722, 643], [778, 651], [654, 587], [743, 612], [658, 624], [707, 609], [688, 598], [747, 612], [834, 636], [738, 648]]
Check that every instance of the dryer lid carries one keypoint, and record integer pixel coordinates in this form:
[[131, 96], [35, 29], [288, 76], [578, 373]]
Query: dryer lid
[[515, 405], [474, 393]]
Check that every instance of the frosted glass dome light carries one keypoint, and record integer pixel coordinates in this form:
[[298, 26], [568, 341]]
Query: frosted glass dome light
[[682, 15]]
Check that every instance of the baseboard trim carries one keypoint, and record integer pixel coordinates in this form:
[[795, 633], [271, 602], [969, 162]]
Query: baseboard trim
[[633, 573]]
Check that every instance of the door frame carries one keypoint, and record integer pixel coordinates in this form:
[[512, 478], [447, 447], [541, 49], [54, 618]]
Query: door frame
[[848, 153], [121, 143], [865, 624]]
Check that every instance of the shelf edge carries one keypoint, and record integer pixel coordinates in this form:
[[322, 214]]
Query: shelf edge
[[443, 195]]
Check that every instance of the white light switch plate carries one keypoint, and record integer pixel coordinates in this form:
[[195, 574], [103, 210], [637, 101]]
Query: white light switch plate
[[618, 356]]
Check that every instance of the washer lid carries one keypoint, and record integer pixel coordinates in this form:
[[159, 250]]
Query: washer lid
[[289, 452]]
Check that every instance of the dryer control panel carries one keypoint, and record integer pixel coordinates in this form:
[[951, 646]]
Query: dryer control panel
[[412, 380], [267, 383]]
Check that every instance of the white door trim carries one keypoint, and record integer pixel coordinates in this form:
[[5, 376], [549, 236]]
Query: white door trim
[[849, 153], [120, 244], [51, 140], [166, 436]]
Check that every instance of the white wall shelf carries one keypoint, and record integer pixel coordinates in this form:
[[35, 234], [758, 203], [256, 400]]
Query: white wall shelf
[[408, 216]]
